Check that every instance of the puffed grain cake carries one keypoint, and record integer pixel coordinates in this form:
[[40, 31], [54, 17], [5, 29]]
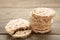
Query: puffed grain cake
[[18, 28], [41, 17]]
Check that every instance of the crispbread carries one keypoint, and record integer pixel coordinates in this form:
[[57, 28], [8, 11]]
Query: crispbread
[[16, 26], [41, 19]]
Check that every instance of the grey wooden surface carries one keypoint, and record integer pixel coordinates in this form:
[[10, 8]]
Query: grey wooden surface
[[11, 9]]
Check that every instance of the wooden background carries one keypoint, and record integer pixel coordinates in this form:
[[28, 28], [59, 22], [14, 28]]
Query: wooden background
[[11, 9]]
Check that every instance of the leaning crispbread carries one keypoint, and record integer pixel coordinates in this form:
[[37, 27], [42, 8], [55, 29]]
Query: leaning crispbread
[[18, 28]]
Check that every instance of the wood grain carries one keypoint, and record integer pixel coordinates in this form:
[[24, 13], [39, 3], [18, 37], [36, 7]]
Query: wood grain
[[29, 3], [32, 37]]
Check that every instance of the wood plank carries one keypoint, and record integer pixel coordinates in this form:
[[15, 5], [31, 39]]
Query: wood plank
[[32, 37], [7, 14], [29, 3], [10, 13]]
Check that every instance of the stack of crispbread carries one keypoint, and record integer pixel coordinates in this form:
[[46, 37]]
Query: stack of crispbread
[[41, 19]]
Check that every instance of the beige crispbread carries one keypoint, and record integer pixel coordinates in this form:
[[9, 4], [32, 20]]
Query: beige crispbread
[[18, 28], [41, 19]]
